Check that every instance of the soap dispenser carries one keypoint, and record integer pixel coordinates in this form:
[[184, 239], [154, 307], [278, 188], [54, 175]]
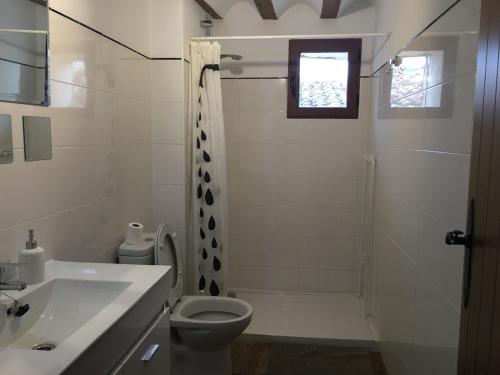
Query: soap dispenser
[[32, 270]]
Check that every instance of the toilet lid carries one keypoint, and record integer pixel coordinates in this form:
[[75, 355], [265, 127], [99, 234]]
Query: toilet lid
[[167, 254]]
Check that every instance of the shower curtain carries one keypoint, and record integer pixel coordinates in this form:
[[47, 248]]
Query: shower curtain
[[209, 175]]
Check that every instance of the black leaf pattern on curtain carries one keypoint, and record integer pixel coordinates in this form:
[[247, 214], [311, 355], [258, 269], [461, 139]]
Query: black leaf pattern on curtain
[[207, 177], [206, 157], [202, 283], [209, 198], [214, 288], [200, 191], [211, 223], [216, 264]]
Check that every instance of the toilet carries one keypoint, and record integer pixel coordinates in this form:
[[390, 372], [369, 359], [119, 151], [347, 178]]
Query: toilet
[[202, 327]]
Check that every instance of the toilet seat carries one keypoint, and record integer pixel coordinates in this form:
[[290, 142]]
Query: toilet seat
[[210, 312], [166, 254]]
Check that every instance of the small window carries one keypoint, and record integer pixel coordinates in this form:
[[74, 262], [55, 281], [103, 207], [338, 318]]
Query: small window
[[413, 88], [323, 77], [412, 80]]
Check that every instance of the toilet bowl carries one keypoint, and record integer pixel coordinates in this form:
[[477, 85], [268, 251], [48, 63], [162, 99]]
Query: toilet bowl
[[209, 323], [202, 327]]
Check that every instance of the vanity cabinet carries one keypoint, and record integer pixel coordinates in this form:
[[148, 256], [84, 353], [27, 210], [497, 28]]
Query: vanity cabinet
[[151, 354]]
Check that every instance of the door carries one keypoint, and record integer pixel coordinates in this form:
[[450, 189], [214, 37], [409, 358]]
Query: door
[[480, 320]]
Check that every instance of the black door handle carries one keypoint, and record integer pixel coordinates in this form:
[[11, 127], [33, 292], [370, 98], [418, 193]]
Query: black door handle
[[457, 237]]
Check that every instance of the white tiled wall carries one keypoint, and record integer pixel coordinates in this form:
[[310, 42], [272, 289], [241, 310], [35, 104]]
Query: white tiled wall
[[100, 175], [173, 24], [127, 21], [168, 138], [118, 128], [421, 183], [295, 191]]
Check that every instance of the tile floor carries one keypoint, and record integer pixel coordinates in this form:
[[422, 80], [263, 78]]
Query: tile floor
[[332, 319]]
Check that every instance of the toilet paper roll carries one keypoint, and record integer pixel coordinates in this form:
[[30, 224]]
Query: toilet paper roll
[[134, 233]]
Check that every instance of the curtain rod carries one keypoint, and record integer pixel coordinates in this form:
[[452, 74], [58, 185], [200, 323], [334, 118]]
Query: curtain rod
[[318, 36], [24, 31]]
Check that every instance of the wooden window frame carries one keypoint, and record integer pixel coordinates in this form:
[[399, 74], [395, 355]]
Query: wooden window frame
[[298, 46]]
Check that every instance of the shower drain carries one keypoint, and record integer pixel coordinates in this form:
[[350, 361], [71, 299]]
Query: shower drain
[[45, 347]]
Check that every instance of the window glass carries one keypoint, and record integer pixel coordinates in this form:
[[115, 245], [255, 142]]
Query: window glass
[[411, 80], [411, 84], [323, 80]]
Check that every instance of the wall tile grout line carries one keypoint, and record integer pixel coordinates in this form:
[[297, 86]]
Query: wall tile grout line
[[66, 210], [100, 90]]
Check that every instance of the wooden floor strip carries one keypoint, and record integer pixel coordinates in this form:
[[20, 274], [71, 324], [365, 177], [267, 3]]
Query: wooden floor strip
[[297, 359]]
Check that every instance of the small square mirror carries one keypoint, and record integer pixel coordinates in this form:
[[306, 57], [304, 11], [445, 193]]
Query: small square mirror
[[37, 138], [6, 151]]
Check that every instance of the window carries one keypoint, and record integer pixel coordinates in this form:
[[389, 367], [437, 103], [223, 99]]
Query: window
[[414, 89], [412, 79], [323, 77]]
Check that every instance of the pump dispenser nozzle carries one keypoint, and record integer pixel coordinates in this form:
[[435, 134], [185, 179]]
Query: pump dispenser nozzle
[[31, 243]]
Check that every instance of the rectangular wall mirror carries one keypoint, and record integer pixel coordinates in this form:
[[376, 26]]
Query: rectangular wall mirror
[[24, 44], [6, 149], [37, 138]]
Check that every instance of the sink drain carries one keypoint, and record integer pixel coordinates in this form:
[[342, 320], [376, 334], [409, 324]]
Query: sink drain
[[46, 347]]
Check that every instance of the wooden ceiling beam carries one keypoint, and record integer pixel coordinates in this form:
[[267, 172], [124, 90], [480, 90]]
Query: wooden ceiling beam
[[40, 2], [330, 8], [266, 9], [207, 8]]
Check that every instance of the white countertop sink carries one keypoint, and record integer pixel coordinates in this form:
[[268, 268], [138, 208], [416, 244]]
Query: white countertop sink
[[76, 304]]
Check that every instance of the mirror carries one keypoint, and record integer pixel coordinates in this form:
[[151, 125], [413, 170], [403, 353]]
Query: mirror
[[24, 51], [6, 155], [37, 138]]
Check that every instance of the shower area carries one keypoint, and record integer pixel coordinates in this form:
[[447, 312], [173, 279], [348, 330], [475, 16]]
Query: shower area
[[300, 193], [296, 242], [296, 198]]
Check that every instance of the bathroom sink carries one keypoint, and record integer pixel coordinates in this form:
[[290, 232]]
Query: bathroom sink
[[79, 312], [58, 309]]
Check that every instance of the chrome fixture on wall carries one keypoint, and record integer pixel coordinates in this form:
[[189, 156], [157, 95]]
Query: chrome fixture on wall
[[5, 283], [395, 62]]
